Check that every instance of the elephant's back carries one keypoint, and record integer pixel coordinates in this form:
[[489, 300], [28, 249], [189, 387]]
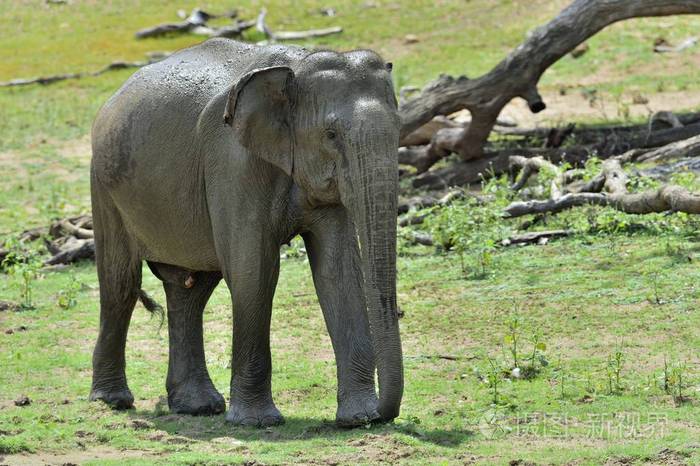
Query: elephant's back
[[155, 112], [148, 153], [197, 74]]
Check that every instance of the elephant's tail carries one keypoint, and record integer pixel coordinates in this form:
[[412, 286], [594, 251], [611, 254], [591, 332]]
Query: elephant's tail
[[151, 305]]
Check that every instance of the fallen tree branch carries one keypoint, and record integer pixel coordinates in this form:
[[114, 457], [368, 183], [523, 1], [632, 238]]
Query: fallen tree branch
[[526, 167], [274, 36], [689, 42], [537, 237], [115, 65], [474, 171], [424, 202], [667, 198], [198, 18], [519, 73]]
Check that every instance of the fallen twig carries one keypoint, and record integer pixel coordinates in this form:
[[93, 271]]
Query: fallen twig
[[274, 36], [115, 65], [667, 198]]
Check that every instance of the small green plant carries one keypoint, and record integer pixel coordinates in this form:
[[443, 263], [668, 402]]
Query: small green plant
[[493, 379], [473, 230], [613, 370], [67, 297], [654, 297], [23, 264], [26, 273], [512, 338], [675, 381], [295, 249]]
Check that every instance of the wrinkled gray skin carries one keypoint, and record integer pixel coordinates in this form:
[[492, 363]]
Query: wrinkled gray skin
[[204, 164]]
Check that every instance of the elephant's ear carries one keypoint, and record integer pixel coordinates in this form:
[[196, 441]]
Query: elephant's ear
[[259, 110]]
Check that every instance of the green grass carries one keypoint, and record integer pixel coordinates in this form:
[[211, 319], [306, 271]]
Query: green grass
[[457, 38], [588, 296], [586, 300]]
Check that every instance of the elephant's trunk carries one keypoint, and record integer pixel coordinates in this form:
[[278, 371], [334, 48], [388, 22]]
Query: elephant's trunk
[[373, 208]]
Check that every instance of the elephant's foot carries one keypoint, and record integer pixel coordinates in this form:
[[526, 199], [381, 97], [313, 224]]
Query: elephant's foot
[[196, 398], [358, 410], [254, 416], [116, 398]]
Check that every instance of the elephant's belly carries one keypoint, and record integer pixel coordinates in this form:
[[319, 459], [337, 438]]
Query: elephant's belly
[[172, 229]]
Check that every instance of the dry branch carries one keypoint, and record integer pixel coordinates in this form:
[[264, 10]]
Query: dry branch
[[423, 202], [667, 198], [73, 250], [519, 73], [538, 237], [663, 48], [526, 167], [274, 36], [197, 19], [115, 65], [474, 171]]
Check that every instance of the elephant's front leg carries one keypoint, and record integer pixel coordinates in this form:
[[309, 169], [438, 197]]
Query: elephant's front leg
[[252, 280], [336, 267]]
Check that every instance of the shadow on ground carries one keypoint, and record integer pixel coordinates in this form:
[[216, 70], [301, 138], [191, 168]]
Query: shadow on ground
[[204, 428]]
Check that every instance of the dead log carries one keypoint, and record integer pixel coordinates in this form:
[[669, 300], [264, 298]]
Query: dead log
[[115, 65], [686, 148], [553, 206], [475, 171], [664, 171], [195, 19], [416, 203], [274, 36], [73, 250], [66, 227], [635, 140], [663, 48], [424, 202], [419, 237], [526, 167], [519, 73], [231, 31], [537, 237], [689, 147], [425, 133], [667, 198]]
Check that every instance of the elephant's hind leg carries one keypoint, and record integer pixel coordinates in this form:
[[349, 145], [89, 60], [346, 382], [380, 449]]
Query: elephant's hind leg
[[119, 275], [190, 389]]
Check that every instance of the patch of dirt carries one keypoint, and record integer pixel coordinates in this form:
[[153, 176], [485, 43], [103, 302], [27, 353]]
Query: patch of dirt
[[671, 457], [74, 457], [574, 107], [78, 151], [381, 448]]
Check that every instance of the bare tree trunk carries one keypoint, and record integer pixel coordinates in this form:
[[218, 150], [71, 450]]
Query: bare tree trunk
[[518, 74]]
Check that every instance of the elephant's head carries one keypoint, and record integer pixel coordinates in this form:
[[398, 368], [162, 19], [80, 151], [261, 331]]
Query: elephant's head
[[331, 123]]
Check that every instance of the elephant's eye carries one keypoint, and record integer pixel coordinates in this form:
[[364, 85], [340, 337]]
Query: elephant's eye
[[330, 134]]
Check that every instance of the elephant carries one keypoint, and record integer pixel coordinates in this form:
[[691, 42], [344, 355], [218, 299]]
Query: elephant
[[204, 164]]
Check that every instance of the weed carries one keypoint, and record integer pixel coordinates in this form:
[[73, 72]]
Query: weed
[[613, 370], [67, 297], [674, 381], [473, 229], [493, 379], [653, 277], [23, 264]]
